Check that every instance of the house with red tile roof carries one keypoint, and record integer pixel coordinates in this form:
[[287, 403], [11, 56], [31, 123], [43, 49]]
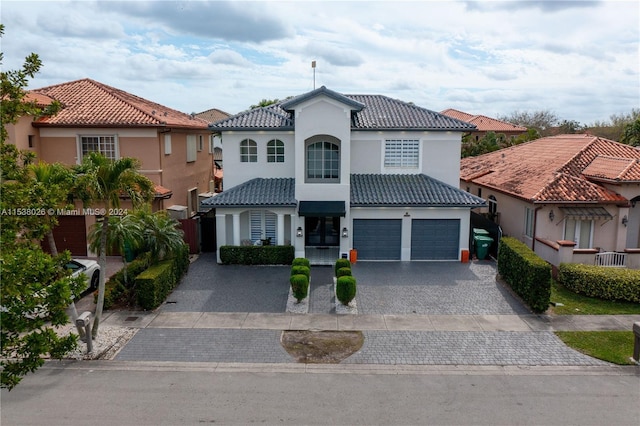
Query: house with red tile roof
[[485, 124], [567, 197], [173, 147]]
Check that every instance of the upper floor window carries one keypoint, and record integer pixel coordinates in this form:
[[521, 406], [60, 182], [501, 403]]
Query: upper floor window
[[528, 222], [248, 151], [192, 155], [275, 151], [167, 144], [106, 145], [323, 162], [579, 231], [402, 153], [493, 205]]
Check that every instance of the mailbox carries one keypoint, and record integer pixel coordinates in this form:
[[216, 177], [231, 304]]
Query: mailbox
[[84, 319]]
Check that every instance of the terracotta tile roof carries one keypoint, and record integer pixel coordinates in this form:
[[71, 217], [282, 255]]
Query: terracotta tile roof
[[552, 169], [40, 100], [484, 123], [212, 115], [371, 112], [88, 103], [162, 192]]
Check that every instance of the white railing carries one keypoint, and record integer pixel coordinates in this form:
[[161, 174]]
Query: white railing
[[612, 259]]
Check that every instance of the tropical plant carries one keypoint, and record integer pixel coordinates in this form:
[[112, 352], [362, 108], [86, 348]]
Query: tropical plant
[[161, 236], [103, 182]]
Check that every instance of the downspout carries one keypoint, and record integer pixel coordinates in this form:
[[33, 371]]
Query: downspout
[[535, 225]]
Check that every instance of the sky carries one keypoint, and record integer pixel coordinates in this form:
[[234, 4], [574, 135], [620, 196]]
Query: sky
[[579, 60]]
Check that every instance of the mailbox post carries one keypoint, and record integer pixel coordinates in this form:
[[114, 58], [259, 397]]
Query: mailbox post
[[84, 321]]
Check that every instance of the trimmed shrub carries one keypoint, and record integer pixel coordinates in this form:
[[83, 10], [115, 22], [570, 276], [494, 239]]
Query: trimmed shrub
[[299, 286], [301, 270], [341, 263], [525, 272], [342, 272], [601, 282], [116, 290], [301, 261], [154, 284], [257, 255], [346, 289]]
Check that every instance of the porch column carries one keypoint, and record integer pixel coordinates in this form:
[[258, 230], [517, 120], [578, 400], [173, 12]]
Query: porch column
[[236, 229], [280, 235]]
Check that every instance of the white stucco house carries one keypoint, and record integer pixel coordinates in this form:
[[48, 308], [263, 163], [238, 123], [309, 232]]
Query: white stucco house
[[331, 173]]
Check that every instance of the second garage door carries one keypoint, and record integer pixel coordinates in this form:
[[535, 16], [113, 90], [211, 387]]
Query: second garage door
[[435, 239], [377, 239]]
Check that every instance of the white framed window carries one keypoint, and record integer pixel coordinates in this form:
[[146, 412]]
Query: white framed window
[[191, 148], [580, 231], [402, 153], [275, 151], [248, 151], [106, 145], [167, 144], [323, 162], [528, 222], [263, 226]]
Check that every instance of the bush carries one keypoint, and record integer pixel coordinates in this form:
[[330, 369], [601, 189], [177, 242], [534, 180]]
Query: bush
[[301, 261], [341, 263], [346, 289], [301, 270], [343, 272], [525, 272], [257, 255], [154, 284], [601, 282], [299, 286], [116, 290]]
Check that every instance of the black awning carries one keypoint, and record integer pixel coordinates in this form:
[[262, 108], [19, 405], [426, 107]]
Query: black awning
[[586, 213], [322, 208]]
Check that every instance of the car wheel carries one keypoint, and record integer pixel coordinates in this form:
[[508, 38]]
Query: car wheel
[[95, 280]]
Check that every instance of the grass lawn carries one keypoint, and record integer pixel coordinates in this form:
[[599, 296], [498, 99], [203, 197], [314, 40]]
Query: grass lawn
[[576, 304], [611, 346]]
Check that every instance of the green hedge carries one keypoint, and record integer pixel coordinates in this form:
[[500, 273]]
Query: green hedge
[[343, 272], [601, 282], [257, 255], [301, 261], [299, 286], [341, 263], [525, 272], [301, 270], [156, 282], [345, 289], [116, 289]]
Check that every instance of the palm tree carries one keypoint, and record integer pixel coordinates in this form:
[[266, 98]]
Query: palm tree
[[162, 238], [103, 181]]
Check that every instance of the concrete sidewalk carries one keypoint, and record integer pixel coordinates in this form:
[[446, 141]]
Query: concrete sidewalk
[[289, 321]]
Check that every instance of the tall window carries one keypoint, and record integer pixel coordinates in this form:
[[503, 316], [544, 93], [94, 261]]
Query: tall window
[[579, 231], [106, 145], [192, 155], [248, 151], [402, 153], [528, 222], [493, 205], [323, 162], [167, 144], [263, 226], [275, 151]]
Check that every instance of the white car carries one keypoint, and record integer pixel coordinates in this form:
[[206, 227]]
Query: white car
[[89, 268]]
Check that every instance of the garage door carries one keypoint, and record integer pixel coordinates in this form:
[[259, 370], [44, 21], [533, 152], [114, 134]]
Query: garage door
[[377, 239], [70, 234], [435, 239]]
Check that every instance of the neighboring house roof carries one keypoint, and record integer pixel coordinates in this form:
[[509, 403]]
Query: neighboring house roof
[[367, 190], [371, 112], [556, 169], [484, 123], [212, 115], [41, 101], [88, 103]]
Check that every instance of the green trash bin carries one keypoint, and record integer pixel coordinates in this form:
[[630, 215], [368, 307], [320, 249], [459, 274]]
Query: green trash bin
[[479, 232], [129, 255], [482, 244]]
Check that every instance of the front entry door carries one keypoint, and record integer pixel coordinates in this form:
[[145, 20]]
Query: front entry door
[[322, 231]]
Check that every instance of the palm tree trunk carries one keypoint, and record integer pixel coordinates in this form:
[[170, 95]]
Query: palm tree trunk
[[102, 261]]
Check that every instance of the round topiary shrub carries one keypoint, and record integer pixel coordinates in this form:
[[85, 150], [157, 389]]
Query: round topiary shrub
[[346, 289], [301, 261], [341, 263], [299, 286], [342, 272], [299, 269]]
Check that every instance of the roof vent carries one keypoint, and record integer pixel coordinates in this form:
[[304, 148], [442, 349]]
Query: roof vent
[[153, 112]]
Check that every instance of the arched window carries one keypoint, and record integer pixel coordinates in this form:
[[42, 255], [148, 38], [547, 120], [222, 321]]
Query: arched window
[[248, 151], [323, 162], [275, 151]]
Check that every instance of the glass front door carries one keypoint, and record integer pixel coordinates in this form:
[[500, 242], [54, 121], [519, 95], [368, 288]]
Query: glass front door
[[322, 231]]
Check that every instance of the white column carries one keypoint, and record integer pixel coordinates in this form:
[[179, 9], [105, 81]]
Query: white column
[[280, 229], [236, 229], [221, 235]]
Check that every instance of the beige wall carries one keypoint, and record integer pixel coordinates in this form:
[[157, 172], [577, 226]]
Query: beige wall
[[18, 134]]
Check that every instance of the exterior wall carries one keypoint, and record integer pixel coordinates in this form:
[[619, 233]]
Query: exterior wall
[[237, 172], [441, 156], [18, 134]]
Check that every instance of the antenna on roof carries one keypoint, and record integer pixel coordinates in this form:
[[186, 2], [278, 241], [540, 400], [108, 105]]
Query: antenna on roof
[[313, 65]]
